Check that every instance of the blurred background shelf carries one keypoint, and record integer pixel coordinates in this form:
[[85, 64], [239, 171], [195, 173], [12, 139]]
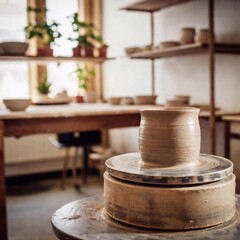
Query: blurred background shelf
[[224, 48], [53, 59]]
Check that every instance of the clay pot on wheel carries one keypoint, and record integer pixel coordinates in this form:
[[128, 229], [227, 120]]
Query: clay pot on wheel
[[169, 136]]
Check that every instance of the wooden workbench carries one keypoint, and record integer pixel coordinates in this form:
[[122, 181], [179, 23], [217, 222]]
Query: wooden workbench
[[60, 119]]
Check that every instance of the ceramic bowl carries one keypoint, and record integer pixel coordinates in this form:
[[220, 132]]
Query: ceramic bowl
[[175, 102], [14, 48], [114, 100], [131, 50], [17, 104], [145, 99], [168, 44], [183, 98], [126, 101]]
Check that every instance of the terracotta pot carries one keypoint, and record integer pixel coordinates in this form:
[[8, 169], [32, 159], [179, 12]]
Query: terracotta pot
[[88, 51], [102, 52], [77, 52], [79, 99], [44, 52], [169, 136]]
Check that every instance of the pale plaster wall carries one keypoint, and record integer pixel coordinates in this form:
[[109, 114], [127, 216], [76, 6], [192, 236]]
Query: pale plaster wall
[[177, 75]]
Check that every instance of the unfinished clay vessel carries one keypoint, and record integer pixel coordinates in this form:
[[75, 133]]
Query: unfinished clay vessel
[[169, 136]]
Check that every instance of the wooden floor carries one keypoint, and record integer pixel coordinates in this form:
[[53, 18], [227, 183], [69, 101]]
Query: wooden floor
[[30, 205]]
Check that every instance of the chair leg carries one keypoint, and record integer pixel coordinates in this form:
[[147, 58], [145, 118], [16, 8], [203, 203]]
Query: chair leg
[[74, 170], [65, 166], [85, 163]]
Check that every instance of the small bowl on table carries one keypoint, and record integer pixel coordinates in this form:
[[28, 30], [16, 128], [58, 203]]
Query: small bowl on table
[[145, 99], [114, 100], [17, 104]]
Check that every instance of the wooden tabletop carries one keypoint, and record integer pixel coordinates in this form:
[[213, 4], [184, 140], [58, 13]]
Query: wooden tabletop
[[231, 118], [87, 109]]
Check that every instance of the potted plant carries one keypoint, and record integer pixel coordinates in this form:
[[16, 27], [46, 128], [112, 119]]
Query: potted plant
[[45, 31], [85, 35], [83, 75], [43, 89]]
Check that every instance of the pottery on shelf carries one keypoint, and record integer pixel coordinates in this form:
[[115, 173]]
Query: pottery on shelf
[[102, 51], [187, 35], [169, 136], [202, 36], [14, 48], [45, 52], [168, 44], [77, 52]]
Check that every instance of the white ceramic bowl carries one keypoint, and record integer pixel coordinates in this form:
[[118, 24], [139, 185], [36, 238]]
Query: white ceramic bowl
[[14, 48], [17, 104], [145, 99]]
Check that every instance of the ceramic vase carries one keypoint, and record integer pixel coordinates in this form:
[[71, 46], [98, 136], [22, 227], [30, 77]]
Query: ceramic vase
[[169, 136]]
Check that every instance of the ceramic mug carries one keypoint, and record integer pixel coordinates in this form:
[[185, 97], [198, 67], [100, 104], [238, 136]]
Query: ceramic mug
[[169, 136]]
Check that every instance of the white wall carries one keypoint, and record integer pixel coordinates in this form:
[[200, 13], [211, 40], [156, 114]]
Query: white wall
[[177, 75]]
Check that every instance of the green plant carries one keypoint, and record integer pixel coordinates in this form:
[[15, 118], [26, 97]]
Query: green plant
[[48, 32], [85, 34], [44, 86], [82, 75]]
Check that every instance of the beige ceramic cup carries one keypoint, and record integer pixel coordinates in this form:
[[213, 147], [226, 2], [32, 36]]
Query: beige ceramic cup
[[169, 136]]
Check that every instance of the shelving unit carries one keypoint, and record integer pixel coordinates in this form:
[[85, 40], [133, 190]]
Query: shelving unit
[[151, 6], [44, 60], [53, 59], [224, 48]]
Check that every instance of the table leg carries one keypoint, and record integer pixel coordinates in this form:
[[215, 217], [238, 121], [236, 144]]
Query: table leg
[[85, 163], [3, 212], [227, 139]]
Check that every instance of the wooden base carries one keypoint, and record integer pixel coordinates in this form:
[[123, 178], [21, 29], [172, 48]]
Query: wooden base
[[86, 219], [170, 208]]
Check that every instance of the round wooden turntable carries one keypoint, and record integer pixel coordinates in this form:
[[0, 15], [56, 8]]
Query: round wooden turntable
[[87, 220]]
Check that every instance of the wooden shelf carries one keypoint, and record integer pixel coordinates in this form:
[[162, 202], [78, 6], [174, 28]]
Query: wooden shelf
[[153, 5], [53, 59], [225, 48]]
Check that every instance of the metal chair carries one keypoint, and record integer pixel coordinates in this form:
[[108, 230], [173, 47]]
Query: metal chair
[[84, 140]]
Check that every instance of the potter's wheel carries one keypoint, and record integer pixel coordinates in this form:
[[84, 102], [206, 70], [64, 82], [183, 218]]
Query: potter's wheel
[[86, 219], [209, 168]]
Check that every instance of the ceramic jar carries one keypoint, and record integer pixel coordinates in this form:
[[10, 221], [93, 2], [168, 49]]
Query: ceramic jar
[[187, 35], [169, 136], [202, 36]]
